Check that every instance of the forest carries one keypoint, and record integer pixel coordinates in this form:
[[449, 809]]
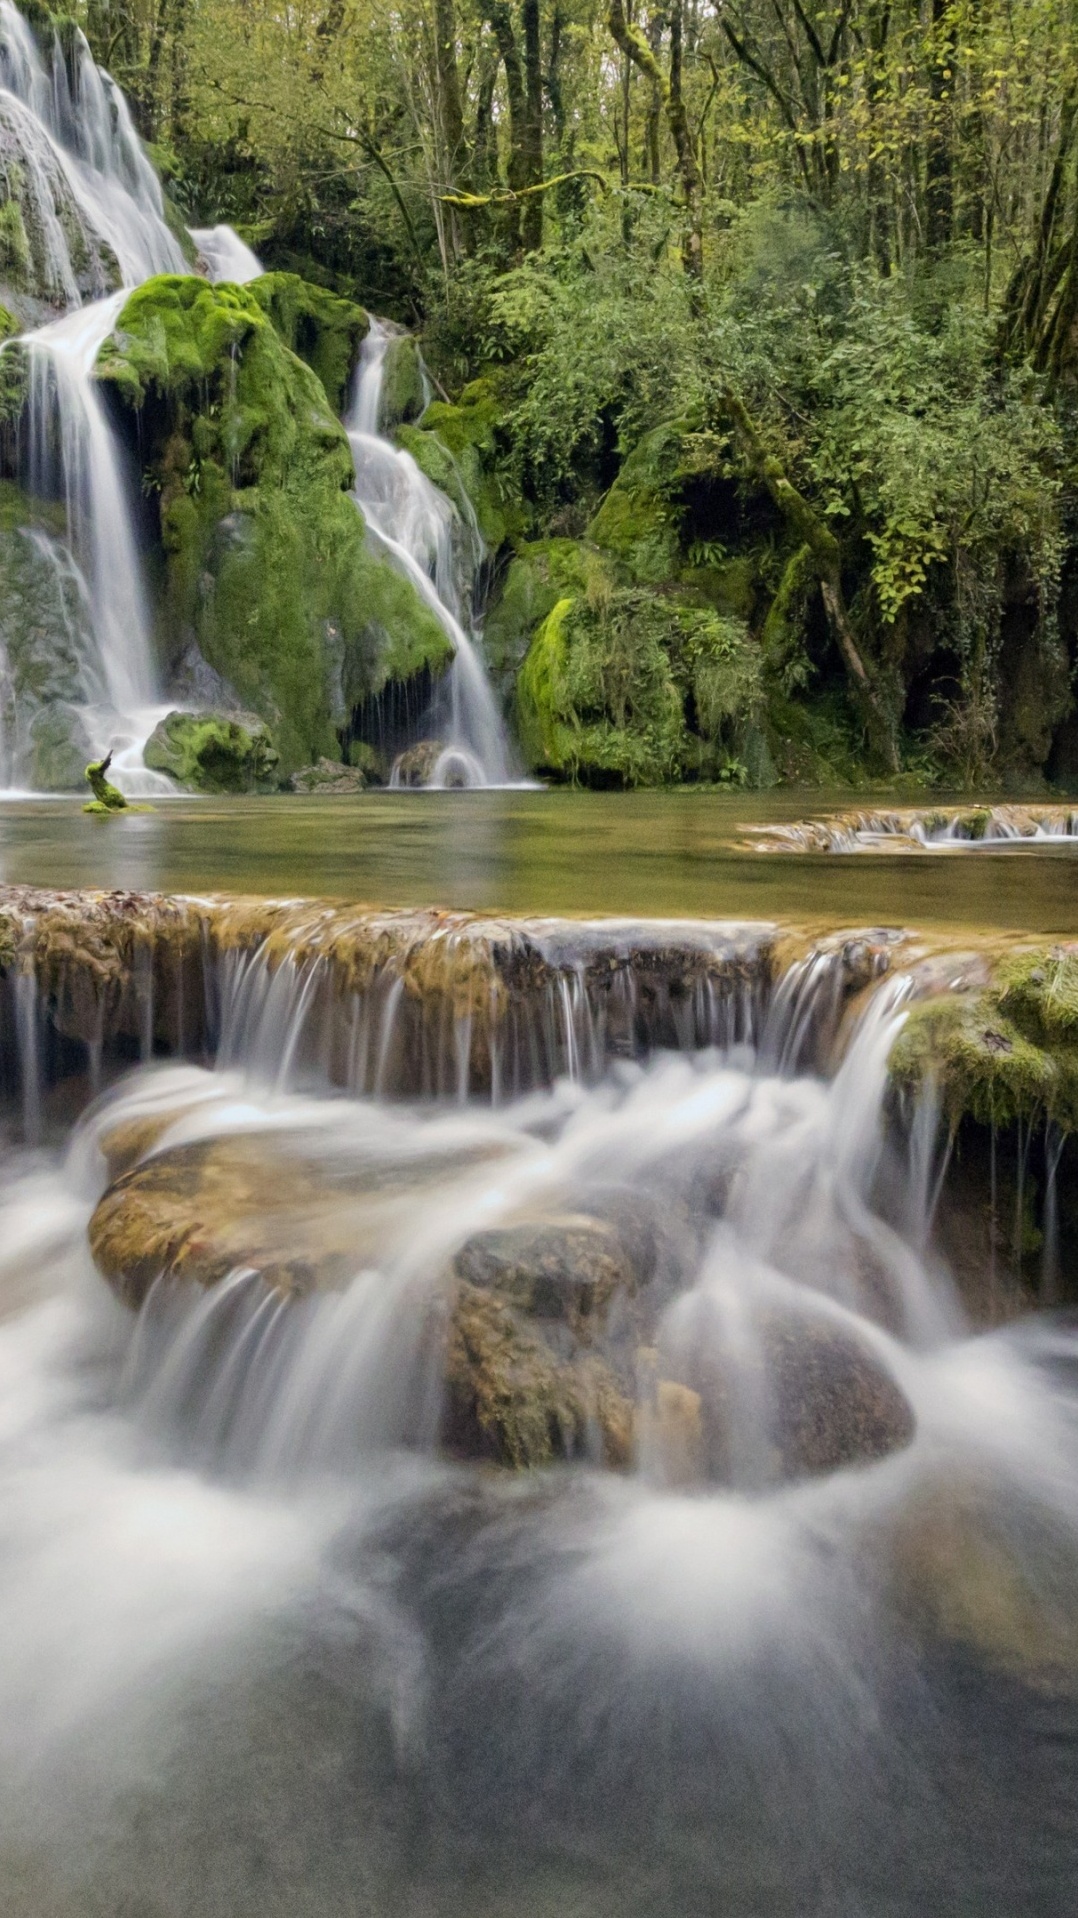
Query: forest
[[751, 330]]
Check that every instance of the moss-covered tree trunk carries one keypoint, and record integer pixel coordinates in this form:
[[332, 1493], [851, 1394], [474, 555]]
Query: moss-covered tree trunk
[[636, 48], [450, 114]]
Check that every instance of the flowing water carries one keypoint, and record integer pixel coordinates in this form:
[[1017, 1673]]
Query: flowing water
[[422, 532], [268, 1649], [75, 120]]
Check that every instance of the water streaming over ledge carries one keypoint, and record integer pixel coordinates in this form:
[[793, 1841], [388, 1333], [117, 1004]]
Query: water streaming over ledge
[[421, 531], [256, 1605]]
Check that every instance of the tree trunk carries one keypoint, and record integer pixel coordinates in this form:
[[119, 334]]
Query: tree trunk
[[635, 47], [532, 131], [450, 116], [826, 562], [500, 20], [939, 182]]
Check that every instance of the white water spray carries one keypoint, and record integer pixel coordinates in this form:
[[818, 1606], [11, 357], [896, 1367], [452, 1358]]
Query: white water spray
[[422, 533]]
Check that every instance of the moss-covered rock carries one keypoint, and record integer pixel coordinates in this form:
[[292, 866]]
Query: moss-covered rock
[[462, 448], [214, 752], [1004, 1053], [404, 384], [622, 686], [638, 520], [268, 570], [324, 330]]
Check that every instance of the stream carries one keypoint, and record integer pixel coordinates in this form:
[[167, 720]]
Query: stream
[[277, 1641]]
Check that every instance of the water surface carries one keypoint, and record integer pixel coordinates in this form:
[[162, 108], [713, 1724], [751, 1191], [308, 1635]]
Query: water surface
[[662, 854]]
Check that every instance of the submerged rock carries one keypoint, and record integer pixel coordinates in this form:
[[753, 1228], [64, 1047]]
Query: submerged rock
[[791, 1393], [214, 752], [963, 1571]]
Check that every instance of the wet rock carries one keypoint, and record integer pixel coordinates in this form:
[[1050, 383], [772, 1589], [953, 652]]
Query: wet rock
[[328, 777], [512, 1398], [415, 767], [199, 1211], [802, 1395], [564, 1269], [834, 1402]]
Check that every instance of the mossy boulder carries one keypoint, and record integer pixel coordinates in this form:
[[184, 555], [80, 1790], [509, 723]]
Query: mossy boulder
[[214, 752], [624, 687], [324, 330], [268, 571], [1006, 1052], [404, 384], [639, 519]]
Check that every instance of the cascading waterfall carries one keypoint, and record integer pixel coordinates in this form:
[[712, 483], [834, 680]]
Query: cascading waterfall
[[98, 229], [420, 530], [250, 1604]]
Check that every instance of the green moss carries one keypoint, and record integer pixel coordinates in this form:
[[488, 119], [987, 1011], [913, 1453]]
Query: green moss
[[212, 752], [471, 434], [404, 388], [106, 797], [783, 634], [536, 578], [544, 738], [324, 330], [267, 564], [1006, 1053], [730, 585], [639, 519], [16, 259]]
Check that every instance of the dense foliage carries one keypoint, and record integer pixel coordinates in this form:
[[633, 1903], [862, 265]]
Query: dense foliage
[[754, 322]]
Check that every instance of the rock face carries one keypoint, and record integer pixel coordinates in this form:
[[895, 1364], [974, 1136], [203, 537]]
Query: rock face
[[268, 569], [47, 649], [214, 752], [50, 254]]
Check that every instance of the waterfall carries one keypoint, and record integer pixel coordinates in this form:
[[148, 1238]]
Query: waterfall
[[225, 256], [75, 129], [421, 532]]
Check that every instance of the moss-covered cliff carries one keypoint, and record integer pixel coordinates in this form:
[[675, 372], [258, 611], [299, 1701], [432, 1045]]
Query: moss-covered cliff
[[266, 567]]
